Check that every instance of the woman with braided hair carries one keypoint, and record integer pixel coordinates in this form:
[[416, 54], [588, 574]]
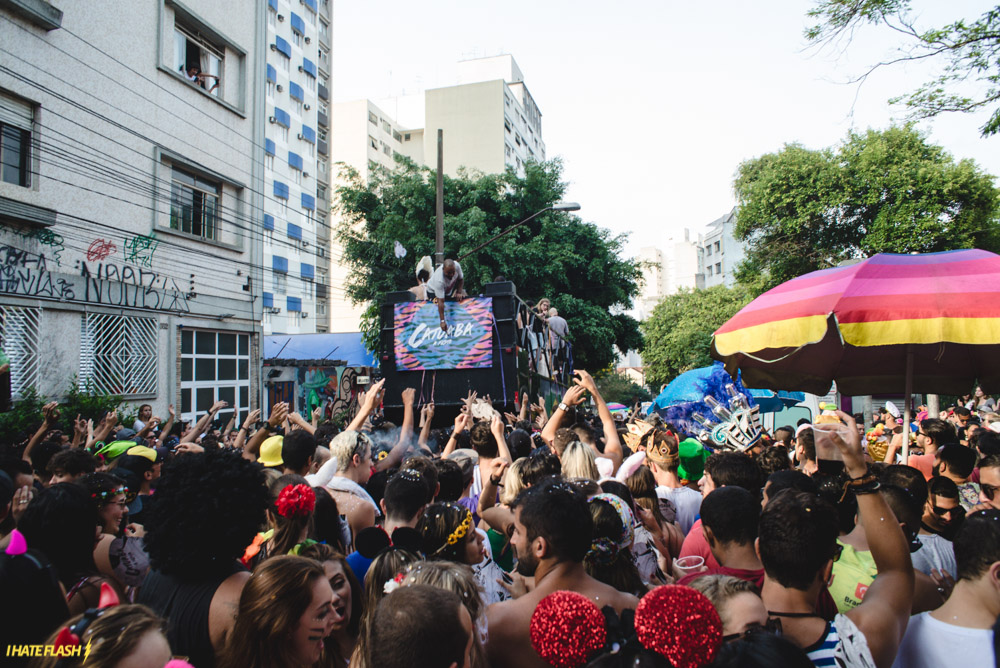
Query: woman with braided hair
[[609, 558], [449, 534]]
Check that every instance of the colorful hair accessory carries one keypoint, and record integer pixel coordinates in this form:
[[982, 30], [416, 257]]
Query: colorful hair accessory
[[69, 636], [463, 528], [662, 448], [107, 495], [624, 514], [393, 584], [679, 623], [602, 551], [637, 433], [567, 629], [296, 501], [17, 545]]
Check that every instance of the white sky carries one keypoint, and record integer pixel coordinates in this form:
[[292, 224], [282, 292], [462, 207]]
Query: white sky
[[652, 104]]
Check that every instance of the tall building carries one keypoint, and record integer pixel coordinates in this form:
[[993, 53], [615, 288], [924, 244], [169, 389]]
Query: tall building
[[720, 252], [665, 272], [489, 119], [296, 170], [130, 199]]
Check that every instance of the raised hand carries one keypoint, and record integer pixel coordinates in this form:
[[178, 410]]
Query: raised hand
[[574, 395], [170, 409], [586, 380], [496, 426], [409, 396], [461, 420], [251, 418]]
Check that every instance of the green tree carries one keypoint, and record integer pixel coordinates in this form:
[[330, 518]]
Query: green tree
[[616, 388], [578, 265], [678, 333], [883, 191], [969, 53]]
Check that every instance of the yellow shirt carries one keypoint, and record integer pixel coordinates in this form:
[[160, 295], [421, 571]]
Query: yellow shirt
[[853, 573]]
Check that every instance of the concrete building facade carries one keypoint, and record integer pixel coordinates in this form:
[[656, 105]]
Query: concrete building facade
[[666, 271], [130, 200], [719, 252], [296, 221]]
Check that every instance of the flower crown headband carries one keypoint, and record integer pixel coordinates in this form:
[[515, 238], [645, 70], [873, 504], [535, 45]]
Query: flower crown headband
[[110, 493]]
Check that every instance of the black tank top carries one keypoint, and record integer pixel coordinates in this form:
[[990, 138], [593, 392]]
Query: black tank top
[[185, 605]]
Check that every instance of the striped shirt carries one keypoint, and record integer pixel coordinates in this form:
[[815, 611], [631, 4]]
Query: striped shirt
[[822, 652]]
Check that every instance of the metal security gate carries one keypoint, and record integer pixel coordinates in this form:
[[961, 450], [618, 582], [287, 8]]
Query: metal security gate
[[19, 341]]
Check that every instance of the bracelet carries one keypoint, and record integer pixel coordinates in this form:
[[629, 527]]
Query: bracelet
[[494, 481], [866, 484]]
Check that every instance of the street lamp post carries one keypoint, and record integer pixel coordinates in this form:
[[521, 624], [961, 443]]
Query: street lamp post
[[558, 206]]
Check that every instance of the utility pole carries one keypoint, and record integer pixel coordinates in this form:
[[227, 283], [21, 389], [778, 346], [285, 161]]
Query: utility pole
[[439, 214]]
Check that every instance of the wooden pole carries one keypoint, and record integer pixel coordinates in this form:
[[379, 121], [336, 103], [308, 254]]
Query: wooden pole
[[439, 213]]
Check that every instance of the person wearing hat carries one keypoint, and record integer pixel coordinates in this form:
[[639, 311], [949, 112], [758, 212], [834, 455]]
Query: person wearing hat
[[270, 452], [663, 458], [145, 463]]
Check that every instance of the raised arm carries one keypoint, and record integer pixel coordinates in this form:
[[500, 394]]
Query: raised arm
[[426, 417], [491, 485], [277, 416], [203, 422], [50, 414], [165, 432], [300, 422], [461, 420], [496, 428], [885, 610], [107, 425], [573, 397], [398, 451], [370, 400], [241, 436], [612, 444]]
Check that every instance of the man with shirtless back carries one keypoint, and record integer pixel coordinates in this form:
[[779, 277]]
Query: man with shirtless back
[[552, 531]]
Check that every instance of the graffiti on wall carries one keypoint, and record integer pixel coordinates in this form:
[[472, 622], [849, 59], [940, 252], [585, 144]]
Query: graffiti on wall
[[334, 388]]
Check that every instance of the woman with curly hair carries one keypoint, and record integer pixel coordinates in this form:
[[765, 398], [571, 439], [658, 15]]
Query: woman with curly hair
[[382, 577], [448, 533], [122, 635], [609, 558], [119, 552], [285, 615], [347, 601], [456, 578], [206, 510], [290, 518], [63, 523]]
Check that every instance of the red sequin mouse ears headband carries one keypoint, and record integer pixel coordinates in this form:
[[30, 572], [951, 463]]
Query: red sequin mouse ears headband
[[70, 636]]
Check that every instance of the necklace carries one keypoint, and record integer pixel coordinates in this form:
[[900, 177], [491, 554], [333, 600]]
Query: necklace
[[794, 615]]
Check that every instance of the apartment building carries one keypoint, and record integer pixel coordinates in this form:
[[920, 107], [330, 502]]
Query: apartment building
[[131, 199], [719, 252], [296, 222], [490, 122]]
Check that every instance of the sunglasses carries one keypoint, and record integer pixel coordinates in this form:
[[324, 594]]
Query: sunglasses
[[772, 626], [938, 510], [837, 551], [988, 490]]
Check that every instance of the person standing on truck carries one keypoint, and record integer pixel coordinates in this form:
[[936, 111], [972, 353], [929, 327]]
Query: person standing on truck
[[446, 281]]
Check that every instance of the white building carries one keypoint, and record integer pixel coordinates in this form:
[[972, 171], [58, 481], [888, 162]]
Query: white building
[[720, 252], [130, 199], [296, 206], [490, 122], [665, 272]]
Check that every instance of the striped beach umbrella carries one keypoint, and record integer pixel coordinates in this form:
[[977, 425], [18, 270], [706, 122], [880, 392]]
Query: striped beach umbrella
[[916, 323]]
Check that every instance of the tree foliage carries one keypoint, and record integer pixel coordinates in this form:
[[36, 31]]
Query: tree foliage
[[678, 332], [883, 191], [576, 264], [616, 388], [968, 50]]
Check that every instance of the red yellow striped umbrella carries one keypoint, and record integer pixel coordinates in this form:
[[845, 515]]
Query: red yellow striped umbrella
[[929, 323]]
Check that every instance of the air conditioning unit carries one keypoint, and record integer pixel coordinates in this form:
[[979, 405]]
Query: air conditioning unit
[[274, 47], [281, 17], [308, 40], [303, 314], [272, 309], [280, 88], [300, 136], [303, 243], [307, 107], [272, 119], [305, 175]]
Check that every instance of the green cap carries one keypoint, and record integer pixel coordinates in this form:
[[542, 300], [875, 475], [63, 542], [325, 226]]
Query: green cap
[[115, 449], [692, 456]]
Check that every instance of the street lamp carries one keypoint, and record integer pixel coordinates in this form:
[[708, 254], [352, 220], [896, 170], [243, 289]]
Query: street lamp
[[558, 206]]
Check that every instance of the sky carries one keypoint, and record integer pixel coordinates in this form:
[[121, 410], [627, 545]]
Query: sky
[[652, 105]]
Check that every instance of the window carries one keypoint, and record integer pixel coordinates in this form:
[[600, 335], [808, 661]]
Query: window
[[297, 177], [194, 204], [284, 64], [320, 308], [215, 366], [386, 127], [397, 136], [708, 251], [198, 61], [718, 245], [385, 148], [373, 142], [118, 354], [297, 39], [307, 289], [280, 283], [269, 161], [718, 268], [311, 84], [324, 31], [372, 118], [270, 89], [15, 141], [406, 136], [311, 149], [709, 270], [271, 16], [19, 340]]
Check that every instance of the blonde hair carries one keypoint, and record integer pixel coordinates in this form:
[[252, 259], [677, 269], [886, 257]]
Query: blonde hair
[[385, 567], [456, 578], [513, 483], [578, 461], [112, 637], [720, 589]]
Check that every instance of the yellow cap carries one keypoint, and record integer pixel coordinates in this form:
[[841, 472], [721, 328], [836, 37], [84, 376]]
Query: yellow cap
[[270, 451]]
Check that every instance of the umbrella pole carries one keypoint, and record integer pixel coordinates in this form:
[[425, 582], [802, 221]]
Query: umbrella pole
[[907, 404]]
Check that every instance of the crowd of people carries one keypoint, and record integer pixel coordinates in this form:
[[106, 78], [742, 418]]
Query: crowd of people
[[509, 540]]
